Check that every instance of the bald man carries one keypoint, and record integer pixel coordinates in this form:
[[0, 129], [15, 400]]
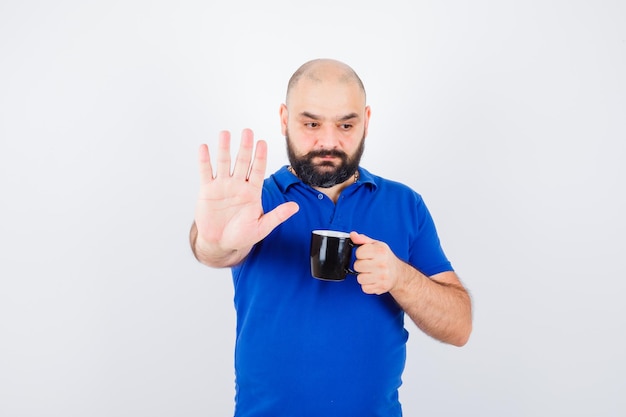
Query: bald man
[[307, 347]]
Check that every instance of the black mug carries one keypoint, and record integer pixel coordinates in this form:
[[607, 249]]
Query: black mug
[[331, 253]]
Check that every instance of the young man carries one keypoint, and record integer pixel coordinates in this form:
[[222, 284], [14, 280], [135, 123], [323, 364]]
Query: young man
[[306, 347]]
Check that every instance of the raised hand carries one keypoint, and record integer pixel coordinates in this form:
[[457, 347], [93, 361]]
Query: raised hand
[[229, 217]]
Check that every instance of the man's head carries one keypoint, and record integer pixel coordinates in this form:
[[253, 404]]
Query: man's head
[[325, 121]]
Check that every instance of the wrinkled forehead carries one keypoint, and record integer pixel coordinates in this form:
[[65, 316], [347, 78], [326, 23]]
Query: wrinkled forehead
[[327, 102]]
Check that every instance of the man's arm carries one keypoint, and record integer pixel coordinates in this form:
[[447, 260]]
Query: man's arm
[[229, 218], [439, 305]]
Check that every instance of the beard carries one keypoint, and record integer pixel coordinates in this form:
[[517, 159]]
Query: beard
[[325, 174]]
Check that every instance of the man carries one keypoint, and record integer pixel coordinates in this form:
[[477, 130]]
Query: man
[[306, 347]]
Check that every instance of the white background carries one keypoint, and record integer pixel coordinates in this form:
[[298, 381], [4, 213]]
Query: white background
[[509, 117]]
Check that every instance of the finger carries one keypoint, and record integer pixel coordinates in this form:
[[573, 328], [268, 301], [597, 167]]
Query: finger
[[363, 242], [223, 155], [270, 220], [359, 239], [244, 156], [374, 290], [363, 278], [204, 162], [370, 287], [259, 164]]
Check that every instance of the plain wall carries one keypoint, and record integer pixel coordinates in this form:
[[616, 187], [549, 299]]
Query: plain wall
[[509, 117]]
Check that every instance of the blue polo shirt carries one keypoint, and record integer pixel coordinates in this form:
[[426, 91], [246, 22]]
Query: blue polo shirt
[[311, 348]]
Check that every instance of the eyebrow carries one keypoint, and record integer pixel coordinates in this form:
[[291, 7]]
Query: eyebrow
[[349, 116]]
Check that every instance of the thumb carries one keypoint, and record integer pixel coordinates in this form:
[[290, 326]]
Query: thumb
[[278, 215], [359, 239]]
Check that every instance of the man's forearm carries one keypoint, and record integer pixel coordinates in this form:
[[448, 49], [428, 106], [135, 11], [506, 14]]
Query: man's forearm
[[438, 305]]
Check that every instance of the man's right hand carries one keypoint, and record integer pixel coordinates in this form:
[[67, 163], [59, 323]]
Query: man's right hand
[[229, 217]]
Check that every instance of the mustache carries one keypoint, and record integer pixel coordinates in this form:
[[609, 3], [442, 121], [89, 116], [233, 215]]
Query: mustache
[[327, 152]]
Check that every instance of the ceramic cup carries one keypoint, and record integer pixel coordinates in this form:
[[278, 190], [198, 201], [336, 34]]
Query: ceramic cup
[[331, 253]]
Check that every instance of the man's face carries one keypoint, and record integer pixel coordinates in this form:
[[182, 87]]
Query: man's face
[[325, 125], [324, 167]]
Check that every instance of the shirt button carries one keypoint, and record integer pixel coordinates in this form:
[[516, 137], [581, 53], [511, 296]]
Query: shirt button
[[320, 196]]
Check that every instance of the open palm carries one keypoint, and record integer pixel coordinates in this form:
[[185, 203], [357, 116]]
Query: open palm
[[229, 214]]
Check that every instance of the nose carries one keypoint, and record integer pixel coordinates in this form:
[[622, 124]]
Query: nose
[[327, 138]]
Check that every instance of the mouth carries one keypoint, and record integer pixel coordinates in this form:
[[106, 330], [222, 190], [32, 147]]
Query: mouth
[[328, 156], [326, 161]]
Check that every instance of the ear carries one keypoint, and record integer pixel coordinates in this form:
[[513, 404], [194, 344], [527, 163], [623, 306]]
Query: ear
[[284, 118], [366, 120]]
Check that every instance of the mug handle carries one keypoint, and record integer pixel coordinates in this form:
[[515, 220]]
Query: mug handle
[[350, 270]]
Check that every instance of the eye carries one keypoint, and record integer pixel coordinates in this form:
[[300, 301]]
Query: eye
[[345, 126], [312, 125]]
